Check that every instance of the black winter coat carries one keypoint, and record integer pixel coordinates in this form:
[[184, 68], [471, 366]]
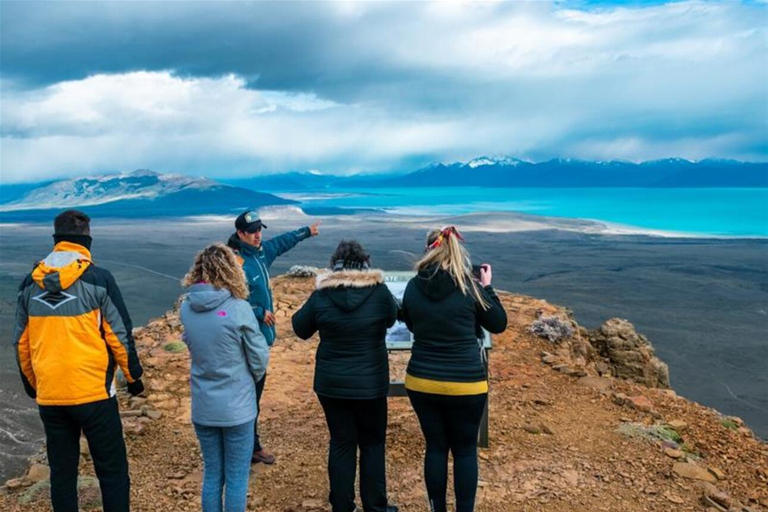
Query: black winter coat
[[445, 325], [352, 309]]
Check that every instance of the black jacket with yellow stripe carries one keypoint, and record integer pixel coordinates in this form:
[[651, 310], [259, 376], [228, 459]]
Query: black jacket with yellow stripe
[[72, 330]]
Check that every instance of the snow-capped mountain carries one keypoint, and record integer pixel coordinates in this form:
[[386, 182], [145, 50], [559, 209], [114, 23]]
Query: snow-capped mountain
[[566, 172], [141, 193], [484, 161], [504, 171], [480, 161]]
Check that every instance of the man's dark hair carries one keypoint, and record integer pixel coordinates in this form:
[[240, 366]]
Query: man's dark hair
[[72, 222], [350, 252]]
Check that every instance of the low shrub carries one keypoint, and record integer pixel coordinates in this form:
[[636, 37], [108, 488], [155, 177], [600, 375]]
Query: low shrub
[[302, 271], [650, 432], [175, 347], [554, 328]]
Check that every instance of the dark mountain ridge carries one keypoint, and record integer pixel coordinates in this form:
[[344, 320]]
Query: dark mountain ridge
[[141, 193], [556, 173]]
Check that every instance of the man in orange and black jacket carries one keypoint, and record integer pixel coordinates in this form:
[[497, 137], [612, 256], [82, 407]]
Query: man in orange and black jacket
[[72, 332]]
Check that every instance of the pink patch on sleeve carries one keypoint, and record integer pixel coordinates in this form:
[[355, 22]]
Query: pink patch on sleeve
[[221, 313]]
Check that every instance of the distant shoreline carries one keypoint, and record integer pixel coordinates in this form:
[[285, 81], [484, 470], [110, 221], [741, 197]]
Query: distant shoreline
[[490, 221]]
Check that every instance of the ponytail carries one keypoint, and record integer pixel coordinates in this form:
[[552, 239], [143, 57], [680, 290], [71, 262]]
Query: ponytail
[[445, 251]]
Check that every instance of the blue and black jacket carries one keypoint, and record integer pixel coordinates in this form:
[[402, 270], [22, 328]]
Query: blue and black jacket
[[256, 263]]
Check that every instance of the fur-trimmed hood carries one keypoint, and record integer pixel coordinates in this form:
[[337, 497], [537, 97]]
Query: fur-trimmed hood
[[349, 289], [350, 279]]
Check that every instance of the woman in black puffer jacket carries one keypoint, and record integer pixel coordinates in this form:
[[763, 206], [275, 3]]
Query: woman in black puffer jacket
[[352, 309], [446, 381]]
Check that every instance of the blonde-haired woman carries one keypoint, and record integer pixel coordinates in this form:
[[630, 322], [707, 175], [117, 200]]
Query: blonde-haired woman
[[229, 355], [446, 382]]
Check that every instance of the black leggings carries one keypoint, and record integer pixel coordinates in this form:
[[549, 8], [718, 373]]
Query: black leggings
[[357, 424], [450, 423]]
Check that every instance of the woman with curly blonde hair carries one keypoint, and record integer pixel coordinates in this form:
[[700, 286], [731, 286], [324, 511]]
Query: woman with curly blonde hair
[[229, 355]]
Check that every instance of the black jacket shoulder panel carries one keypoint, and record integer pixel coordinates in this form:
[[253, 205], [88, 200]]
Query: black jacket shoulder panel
[[25, 283], [97, 276]]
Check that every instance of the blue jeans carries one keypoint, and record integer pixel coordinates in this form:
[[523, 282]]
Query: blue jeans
[[227, 459]]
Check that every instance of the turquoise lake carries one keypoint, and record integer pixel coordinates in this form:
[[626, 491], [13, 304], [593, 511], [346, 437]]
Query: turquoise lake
[[734, 212]]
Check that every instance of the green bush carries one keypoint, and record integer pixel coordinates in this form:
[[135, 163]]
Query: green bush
[[175, 347], [670, 434], [650, 432]]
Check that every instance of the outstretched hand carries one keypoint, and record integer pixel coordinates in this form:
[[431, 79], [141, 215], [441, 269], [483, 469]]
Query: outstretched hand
[[313, 229]]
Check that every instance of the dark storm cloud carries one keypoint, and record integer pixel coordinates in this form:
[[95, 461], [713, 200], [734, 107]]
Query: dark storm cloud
[[244, 87]]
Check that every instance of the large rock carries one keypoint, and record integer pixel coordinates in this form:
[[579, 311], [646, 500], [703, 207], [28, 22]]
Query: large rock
[[640, 403], [628, 354], [38, 472], [693, 472], [16, 483]]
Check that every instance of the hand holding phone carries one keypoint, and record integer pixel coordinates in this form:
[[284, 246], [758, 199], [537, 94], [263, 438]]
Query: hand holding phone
[[486, 274]]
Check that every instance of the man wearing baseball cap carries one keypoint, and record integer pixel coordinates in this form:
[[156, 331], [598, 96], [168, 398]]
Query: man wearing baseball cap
[[257, 256]]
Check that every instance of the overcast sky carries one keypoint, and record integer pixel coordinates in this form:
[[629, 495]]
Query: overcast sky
[[226, 89]]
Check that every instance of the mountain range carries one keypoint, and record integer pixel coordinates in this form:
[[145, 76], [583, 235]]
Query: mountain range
[[145, 193], [557, 173]]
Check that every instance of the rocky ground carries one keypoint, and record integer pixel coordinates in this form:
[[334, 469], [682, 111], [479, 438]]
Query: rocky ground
[[581, 423]]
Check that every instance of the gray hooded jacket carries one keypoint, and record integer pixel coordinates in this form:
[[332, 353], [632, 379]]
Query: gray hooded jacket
[[229, 354]]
